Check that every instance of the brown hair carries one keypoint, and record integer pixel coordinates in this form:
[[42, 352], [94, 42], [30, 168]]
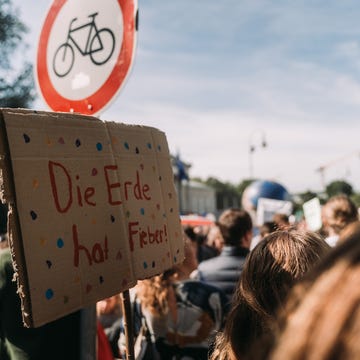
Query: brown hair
[[269, 272], [234, 224], [324, 310], [338, 212]]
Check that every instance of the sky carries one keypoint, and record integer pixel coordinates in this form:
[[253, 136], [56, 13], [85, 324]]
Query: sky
[[220, 76]]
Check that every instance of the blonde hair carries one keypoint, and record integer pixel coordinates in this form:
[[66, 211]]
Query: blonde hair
[[324, 310]]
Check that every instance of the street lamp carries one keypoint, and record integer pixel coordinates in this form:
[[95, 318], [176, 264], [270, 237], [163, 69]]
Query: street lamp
[[255, 135]]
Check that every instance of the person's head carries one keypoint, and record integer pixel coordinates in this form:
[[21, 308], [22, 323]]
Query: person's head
[[337, 213], [153, 292], [322, 318], [270, 271], [267, 228], [236, 227], [214, 238], [281, 221]]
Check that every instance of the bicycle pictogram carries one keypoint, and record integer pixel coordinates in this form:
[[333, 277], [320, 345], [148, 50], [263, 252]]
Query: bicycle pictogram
[[99, 45]]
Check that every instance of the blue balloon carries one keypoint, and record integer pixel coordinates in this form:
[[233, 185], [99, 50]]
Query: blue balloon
[[263, 189]]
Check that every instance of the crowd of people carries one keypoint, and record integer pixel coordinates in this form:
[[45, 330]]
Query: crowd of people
[[242, 292]]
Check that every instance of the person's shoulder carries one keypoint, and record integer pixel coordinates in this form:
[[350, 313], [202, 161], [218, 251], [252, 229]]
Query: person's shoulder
[[209, 263]]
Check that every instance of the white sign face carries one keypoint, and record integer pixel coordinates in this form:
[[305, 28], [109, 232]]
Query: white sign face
[[85, 53], [312, 214], [267, 208]]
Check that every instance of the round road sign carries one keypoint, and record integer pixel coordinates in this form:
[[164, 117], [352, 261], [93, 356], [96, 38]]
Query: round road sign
[[85, 53]]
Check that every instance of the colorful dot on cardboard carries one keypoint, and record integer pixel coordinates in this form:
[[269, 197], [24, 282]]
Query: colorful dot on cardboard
[[60, 243], [171, 210], [49, 142], [175, 259], [158, 206], [99, 146], [177, 251], [43, 241], [101, 279], [137, 150], [26, 138], [145, 265], [77, 142], [35, 184], [94, 172], [153, 264], [126, 146], [170, 195], [160, 178], [33, 214], [66, 299], [149, 146], [142, 211], [112, 218], [49, 294], [88, 288], [159, 148], [61, 140], [118, 255], [48, 264]]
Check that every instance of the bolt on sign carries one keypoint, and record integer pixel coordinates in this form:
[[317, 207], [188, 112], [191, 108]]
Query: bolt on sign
[[93, 208]]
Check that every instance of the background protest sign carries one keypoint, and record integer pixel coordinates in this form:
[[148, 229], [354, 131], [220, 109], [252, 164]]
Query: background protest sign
[[267, 208], [93, 208], [312, 214]]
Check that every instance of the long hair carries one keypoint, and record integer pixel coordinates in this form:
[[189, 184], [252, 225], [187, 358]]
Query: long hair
[[270, 271], [324, 309]]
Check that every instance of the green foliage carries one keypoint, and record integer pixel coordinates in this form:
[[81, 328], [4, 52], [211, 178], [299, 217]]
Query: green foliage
[[16, 76], [339, 187]]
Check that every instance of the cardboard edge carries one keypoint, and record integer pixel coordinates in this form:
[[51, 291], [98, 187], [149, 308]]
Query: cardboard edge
[[7, 194]]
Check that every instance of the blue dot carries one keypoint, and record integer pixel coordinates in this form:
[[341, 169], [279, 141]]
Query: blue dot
[[126, 145], [142, 211], [149, 146], [99, 146], [145, 265], [49, 294], [33, 215], [159, 148], [60, 243]]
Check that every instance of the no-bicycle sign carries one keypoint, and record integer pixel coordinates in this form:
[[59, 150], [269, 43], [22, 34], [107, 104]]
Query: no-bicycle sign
[[85, 53]]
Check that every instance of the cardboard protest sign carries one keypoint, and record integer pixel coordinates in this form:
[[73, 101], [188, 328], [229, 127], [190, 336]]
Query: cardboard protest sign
[[93, 208]]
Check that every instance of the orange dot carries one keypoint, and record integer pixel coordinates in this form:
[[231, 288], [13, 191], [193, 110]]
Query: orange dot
[[35, 183]]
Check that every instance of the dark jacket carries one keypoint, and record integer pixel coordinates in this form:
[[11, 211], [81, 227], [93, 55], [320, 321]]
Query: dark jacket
[[57, 340], [224, 270]]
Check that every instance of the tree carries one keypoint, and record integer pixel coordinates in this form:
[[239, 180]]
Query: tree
[[16, 75], [339, 187]]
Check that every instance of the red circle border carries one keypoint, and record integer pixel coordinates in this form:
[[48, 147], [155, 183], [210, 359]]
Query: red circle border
[[97, 101]]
